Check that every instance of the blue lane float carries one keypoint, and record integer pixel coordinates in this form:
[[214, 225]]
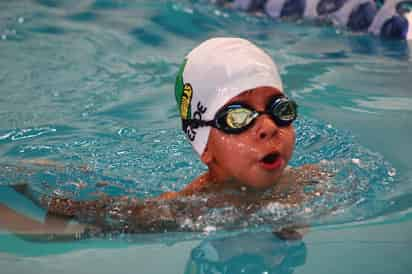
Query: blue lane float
[[390, 19]]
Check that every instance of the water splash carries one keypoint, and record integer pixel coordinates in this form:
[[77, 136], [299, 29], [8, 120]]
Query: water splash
[[120, 165]]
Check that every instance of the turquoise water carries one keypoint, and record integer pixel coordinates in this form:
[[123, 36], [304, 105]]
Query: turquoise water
[[91, 84]]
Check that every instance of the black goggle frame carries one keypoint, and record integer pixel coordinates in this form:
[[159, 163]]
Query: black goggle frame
[[273, 109]]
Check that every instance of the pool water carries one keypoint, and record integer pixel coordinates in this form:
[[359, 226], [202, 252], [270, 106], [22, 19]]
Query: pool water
[[89, 86]]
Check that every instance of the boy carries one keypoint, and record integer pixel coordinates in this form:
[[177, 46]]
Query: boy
[[237, 118]]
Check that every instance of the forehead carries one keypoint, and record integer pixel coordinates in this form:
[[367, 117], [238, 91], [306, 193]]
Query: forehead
[[257, 96]]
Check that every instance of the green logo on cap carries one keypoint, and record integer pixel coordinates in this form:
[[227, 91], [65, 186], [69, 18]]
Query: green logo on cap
[[183, 93]]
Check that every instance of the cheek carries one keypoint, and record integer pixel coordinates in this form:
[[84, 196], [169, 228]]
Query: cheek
[[231, 146], [289, 138], [231, 149]]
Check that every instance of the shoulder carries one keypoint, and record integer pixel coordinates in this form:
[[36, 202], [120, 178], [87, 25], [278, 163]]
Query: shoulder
[[200, 185], [308, 174]]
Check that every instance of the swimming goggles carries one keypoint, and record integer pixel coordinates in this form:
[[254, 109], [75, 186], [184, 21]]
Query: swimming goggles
[[238, 117]]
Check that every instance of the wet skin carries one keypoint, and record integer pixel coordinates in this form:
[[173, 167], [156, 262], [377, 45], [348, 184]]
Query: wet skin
[[235, 160]]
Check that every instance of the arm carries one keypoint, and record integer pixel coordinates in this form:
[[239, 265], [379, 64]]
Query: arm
[[53, 228], [103, 214], [115, 214]]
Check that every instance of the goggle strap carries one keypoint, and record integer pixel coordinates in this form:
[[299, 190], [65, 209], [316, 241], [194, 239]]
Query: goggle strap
[[194, 123]]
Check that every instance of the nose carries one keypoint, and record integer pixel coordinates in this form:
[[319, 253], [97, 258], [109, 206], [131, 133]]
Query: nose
[[266, 128]]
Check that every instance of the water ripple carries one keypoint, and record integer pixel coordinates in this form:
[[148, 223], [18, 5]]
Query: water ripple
[[26, 133], [386, 103], [146, 163], [107, 69]]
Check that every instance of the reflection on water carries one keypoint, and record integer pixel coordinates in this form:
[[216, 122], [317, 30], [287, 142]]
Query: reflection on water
[[248, 253]]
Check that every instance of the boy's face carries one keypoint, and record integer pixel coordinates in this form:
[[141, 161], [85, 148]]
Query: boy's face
[[257, 156]]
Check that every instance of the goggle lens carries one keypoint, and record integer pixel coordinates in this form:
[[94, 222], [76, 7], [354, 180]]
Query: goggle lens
[[240, 117], [284, 110]]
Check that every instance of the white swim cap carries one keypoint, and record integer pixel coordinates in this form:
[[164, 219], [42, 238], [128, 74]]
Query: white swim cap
[[213, 73]]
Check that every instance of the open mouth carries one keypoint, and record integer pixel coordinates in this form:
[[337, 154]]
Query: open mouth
[[270, 158], [272, 161]]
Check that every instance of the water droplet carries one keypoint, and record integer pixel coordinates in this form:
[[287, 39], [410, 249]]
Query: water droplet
[[3, 37], [20, 20], [187, 223], [356, 161], [188, 10], [392, 172]]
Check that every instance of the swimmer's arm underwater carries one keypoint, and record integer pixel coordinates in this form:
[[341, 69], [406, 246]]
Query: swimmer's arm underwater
[[108, 214], [52, 229], [130, 215], [95, 218], [127, 215], [57, 228]]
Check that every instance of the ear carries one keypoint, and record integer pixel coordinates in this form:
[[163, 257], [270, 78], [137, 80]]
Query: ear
[[207, 156]]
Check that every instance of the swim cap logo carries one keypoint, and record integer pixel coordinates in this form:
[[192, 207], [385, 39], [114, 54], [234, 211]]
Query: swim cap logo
[[186, 101], [183, 93]]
